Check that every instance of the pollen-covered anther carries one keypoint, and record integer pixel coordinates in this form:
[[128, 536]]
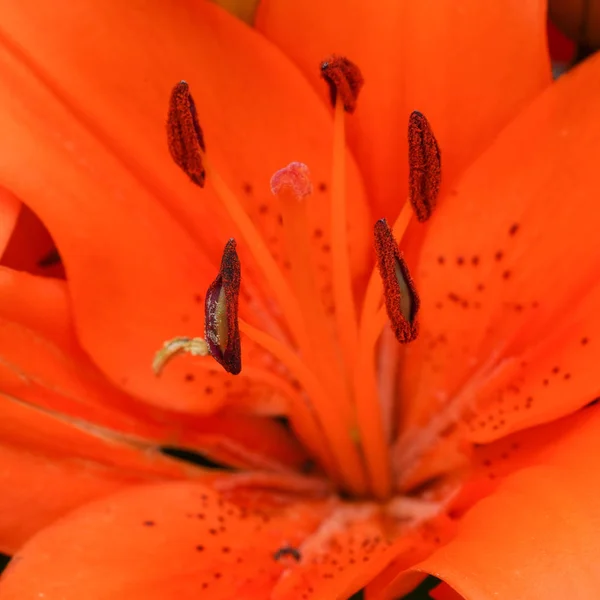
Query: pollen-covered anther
[[295, 178], [344, 80], [221, 312], [178, 345], [184, 135], [401, 298], [425, 166]]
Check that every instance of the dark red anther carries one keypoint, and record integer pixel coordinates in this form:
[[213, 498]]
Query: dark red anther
[[184, 134], [344, 78], [221, 326], [401, 298], [425, 166]]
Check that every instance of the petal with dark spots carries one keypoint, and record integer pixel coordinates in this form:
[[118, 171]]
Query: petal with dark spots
[[508, 262], [200, 543], [540, 525]]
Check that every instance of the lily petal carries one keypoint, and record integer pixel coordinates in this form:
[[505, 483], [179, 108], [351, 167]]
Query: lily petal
[[557, 377], [42, 364], [495, 294], [251, 126], [38, 303], [180, 539], [341, 557], [483, 470], [125, 280], [431, 55], [166, 299], [39, 489], [50, 465], [540, 526], [259, 543]]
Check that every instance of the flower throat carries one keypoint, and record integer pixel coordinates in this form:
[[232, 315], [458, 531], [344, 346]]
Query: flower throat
[[339, 409]]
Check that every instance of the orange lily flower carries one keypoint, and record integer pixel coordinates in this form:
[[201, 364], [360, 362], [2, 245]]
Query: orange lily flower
[[357, 462]]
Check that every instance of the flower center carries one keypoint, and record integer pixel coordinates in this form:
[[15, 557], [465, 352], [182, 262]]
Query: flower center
[[341, 412]]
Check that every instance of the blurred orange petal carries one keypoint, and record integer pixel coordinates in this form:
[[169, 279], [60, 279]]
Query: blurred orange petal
[[468, 68]]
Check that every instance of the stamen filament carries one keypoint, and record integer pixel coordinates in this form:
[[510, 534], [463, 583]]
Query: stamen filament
[[371, 427], [412, 446], [388, 352], [345, 313], [341, 459], [368, 416], [287, 302]]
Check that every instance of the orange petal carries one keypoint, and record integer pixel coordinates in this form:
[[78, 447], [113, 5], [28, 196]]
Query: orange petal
[[38, 490], [40, 373], [42, 364], [172, 540], [252, 128], [107, 279], [258, 543], [50, 465], [487, 467], [9, 212], [131, 289], [491, 463], [360, 545], [38, 303], [349, 549], [395, 581], [507, 260], [424, 55], [540, 526], [555, 378]]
